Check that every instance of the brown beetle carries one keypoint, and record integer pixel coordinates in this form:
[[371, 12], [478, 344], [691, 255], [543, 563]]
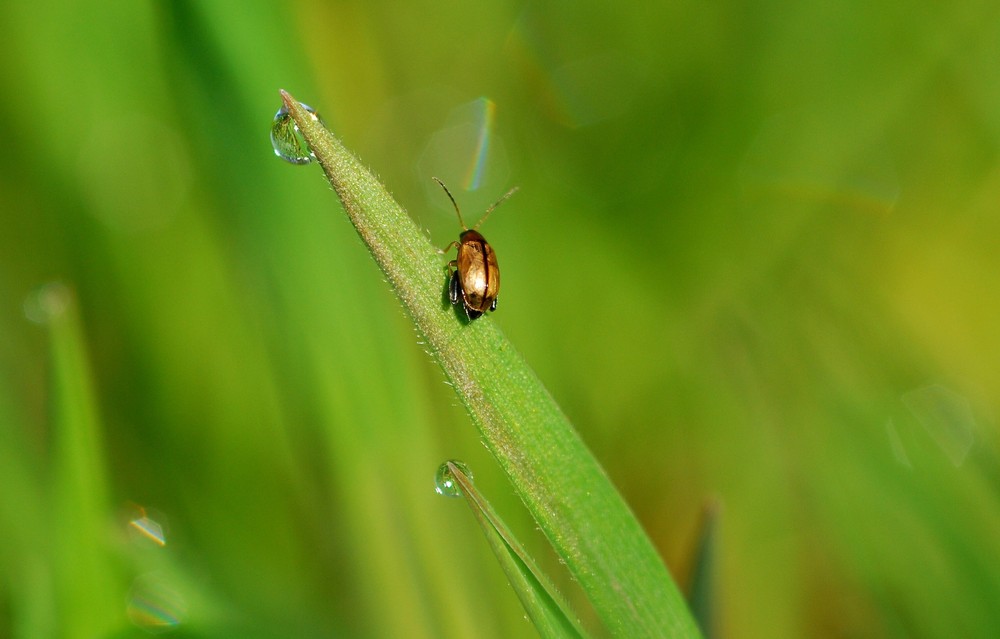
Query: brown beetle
[[475, 279]]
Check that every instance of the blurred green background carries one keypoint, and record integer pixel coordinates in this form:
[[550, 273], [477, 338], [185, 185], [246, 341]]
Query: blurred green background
[[754, 258]]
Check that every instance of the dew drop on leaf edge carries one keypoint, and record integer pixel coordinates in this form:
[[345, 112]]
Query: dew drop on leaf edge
[[444, 480], [287, 140]]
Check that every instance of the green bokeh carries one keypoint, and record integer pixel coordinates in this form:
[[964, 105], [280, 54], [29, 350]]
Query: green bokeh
[[753, 256]]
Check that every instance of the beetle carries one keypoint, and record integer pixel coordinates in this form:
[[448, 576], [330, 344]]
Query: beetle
[[475, 274]]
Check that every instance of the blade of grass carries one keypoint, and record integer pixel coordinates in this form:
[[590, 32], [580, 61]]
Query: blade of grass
[[90, 600], [560, 482], [701, 589], [545, 607], [27, 578]]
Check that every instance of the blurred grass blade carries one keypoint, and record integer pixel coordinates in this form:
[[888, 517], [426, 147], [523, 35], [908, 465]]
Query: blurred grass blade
[[89, 601], [563, 486], [701, 588], [24, 512], [545, 607]]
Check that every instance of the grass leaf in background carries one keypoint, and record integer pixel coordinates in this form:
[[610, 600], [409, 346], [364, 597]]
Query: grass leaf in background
[[552, 471], [88, 589], [702, 590], [545, 607]]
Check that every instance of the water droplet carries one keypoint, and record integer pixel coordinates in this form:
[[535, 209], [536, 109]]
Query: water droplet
[[287, 140], [820, 155], [896, 444], [946, 416], [47, 302], [153, 605], [467, 151], [444, 480], [144, 529]]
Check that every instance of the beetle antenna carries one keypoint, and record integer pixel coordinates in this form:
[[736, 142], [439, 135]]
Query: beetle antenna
[[453, 203], [496, 204]]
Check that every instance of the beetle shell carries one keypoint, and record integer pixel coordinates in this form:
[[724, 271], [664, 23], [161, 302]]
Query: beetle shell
[[477, 278]]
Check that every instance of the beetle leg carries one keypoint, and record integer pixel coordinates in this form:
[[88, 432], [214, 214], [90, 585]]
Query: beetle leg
[[493, 306], [454, 288], [448, 248]]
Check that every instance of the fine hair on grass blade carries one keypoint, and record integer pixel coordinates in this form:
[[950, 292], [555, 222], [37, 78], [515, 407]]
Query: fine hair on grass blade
[[552, 616], [550, 468]]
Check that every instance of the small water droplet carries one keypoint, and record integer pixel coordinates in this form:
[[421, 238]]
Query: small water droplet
[[444, 479], [947, 417], [287, 140], [154, 605], [47, 302], [143, 529], [816, 155], [896, 444]]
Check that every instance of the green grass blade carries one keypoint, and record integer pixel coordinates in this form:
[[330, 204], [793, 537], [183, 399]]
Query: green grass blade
[[23, 513], [90, 598], [561, 483], [545, 607], [701, 589]]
